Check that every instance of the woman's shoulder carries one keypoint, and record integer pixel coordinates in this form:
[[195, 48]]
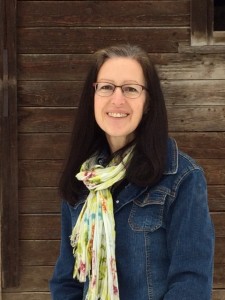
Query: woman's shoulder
[[179, 161], [180, 167]]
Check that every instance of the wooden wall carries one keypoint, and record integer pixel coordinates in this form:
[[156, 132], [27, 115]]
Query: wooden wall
[[55, 40]]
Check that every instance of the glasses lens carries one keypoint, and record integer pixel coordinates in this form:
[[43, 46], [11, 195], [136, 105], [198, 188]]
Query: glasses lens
[[131, 90], [104, 89]]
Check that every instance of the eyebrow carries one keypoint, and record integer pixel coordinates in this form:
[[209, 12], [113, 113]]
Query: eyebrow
[[130, 81]]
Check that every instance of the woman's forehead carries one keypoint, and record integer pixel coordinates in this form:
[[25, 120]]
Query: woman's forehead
[[124, 68]]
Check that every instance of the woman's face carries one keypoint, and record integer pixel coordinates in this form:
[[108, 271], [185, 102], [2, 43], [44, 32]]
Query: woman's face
[[118, 115]]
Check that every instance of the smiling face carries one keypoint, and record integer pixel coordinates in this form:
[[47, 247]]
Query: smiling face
[[117, 115]]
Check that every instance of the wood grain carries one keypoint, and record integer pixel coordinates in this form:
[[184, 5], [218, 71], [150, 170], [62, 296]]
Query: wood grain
[[9, 147], [26, 295], [199, 30], [39, 252], [39, 173], [39, 200], [80, 40], [49, 93], [40, 227], [93, 13], [46, 119]]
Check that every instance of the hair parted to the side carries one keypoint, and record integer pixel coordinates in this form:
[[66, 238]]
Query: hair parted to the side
[[150, 152]]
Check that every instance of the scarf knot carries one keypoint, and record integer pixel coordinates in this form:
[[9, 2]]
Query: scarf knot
[[93, 236]]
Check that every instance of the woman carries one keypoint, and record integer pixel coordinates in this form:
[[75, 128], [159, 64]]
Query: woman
[[135, 219]]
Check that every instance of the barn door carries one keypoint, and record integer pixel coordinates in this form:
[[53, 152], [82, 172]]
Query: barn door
[[8, 145]]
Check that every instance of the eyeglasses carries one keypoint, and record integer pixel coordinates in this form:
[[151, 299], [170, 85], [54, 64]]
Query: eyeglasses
[[105, 89]]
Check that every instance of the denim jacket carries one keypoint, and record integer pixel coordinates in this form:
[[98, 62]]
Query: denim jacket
[[164, 238]]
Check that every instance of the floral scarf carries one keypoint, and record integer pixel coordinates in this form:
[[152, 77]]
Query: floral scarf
[[93, 236]]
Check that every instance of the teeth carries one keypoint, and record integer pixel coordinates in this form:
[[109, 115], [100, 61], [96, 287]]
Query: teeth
[[117, 115]]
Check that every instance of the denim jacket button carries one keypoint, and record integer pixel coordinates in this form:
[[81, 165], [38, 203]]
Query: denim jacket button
[[117, 201]]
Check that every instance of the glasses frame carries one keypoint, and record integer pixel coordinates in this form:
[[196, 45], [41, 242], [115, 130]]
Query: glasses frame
[[121, 87]]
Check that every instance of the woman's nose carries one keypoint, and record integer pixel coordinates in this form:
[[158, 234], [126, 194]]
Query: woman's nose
[[117, 97]]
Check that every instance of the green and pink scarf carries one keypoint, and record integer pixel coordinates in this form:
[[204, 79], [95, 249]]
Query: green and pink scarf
[[93, 236]]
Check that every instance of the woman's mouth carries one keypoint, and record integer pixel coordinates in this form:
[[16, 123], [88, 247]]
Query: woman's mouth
[[117, 115]]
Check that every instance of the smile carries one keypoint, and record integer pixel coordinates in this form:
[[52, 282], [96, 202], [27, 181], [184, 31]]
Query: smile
[[117, 115]]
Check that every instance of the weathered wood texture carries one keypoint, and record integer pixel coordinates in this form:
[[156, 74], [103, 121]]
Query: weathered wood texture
[[1, 111], [202, 24], [55, 42], [80, 40], [96, 13], [8, 137], [199, 27]]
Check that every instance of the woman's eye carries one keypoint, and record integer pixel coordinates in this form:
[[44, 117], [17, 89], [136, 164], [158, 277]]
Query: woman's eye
[[130, 89], [106, 87]]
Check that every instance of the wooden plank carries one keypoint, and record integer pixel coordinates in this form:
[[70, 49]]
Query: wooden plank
[[187, 48], [194, 92], [40, 227], [201, 144], [220, 251], [191, 66], [219, 223], [43, 145], [9, 166], [219, 294], [46, 119], [33, 278], [39, 173], [49, 93], [199, 30], [80, 40], [39, 253], [74, 67], [93, 13], [67, 93], [34, 200], [218, 38], [57, 67], [214, 170], [219, 277], [27, 296], [181, 118], [216, 196], [196, 118]]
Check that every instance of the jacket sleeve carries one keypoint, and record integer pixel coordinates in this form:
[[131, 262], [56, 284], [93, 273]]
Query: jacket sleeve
[[62, 284], [190, 241]]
